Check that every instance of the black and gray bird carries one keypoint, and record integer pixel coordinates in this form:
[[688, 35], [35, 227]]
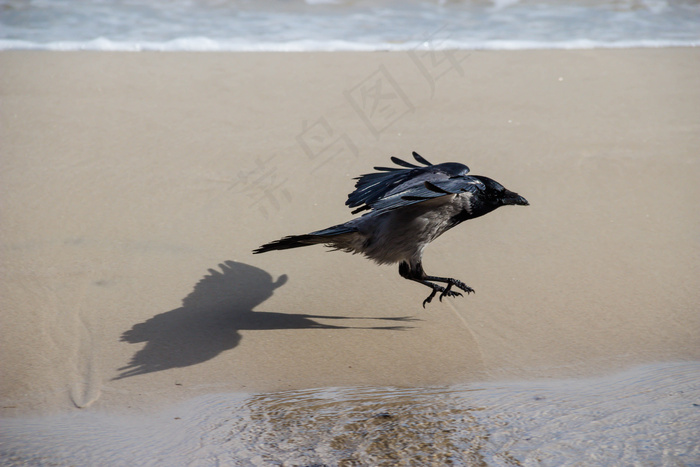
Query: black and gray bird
[[409, 207]]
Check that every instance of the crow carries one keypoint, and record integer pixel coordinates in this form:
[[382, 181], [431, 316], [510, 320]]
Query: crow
[[409, 206]]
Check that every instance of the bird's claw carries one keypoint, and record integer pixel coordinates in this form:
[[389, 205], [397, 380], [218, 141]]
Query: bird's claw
[[436, 289], [461, 285], [449, 293]]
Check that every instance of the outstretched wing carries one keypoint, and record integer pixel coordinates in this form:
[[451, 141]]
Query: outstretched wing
[[430, 190], [373, 187]]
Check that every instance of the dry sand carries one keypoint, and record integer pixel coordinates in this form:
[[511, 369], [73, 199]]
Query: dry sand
[[135, 185]]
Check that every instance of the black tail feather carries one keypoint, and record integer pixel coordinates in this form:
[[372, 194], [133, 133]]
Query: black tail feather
[[292, 241], [324, 236]]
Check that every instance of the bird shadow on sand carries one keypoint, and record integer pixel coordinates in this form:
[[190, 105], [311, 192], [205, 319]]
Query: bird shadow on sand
[[211, 316]]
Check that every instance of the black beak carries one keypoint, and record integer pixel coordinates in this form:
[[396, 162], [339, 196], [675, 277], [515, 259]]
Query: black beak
[[514, 198]]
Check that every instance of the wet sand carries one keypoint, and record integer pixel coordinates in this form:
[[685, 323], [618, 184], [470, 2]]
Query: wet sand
[[134, 187], [647, 415]]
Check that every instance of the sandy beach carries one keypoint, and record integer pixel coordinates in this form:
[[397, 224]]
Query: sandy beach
[[134, 187]]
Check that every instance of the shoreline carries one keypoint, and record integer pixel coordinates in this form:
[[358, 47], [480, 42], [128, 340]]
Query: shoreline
[[204, 45], [645, 414], [135, 186]]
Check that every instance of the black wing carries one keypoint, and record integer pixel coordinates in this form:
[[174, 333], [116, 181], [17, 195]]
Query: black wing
[[430, 190], [371, 188]]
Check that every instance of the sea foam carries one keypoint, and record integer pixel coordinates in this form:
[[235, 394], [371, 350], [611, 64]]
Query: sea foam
[[338, 25]]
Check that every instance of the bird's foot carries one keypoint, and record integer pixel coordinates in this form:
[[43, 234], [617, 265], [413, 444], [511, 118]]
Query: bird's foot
[[460, 285], [447, 291], [444, 292]]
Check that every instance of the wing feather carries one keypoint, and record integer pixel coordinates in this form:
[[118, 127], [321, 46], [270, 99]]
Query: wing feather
[[429, 191], [420, 158], [436, 188], [373, 187], [402, 163]]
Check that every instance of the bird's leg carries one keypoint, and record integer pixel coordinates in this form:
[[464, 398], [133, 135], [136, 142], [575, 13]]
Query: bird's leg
[[417, 274], [414, 274]]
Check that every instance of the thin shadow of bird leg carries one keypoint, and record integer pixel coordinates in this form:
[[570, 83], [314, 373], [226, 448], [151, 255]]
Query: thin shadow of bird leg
[[417, 274]]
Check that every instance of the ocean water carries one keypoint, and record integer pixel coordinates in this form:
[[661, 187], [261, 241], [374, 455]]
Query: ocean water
[[329, 25], [646, 416]]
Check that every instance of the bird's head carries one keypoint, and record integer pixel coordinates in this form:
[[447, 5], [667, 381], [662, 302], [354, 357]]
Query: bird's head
[[495, 195]]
